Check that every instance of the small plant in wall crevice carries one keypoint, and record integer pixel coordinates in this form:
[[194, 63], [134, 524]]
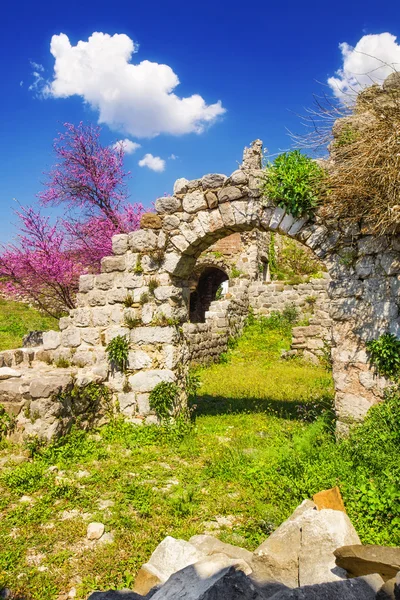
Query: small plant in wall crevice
[[117, 352], [385, 355], [164, 399]]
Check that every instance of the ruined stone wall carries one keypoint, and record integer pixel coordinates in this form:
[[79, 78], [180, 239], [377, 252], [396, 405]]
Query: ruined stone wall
[[224, 320], [274, 295], [363, 293]]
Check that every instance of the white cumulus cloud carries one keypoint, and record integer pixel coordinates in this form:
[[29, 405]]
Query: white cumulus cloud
[[137, 99], [370, 61], [128, 146], [155, 163]]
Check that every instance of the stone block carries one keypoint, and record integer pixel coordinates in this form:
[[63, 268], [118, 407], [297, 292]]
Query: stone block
[[153, 335], [81, 317], [145, 381], [91, 336], [120, 243], [104, 281], [139, 360], [168, 204], [239, 177], [276, 218], [213, 181], [112, 332], [51, 340], [96, 298], [181, 186], [150, 221], [110, 264], [71, 337], [86, 283], [212, 200], [194, 202], [230, 193], [48, 385], [143, 240], [227, 214], [360, 560]]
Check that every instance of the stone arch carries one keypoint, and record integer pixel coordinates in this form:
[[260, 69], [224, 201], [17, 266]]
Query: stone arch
[[152, 266]]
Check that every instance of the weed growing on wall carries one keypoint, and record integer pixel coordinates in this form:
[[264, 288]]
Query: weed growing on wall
[[294, 181], [117, 352], [7, 422], [385, 355], [164, 399]]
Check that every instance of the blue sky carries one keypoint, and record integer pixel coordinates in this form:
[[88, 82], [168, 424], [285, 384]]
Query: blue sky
[[261, 60]]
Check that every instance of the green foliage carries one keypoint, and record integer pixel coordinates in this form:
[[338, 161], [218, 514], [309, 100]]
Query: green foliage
[[235, 272], [129, 301], [132, 322], [347, 136], [62, 363], [17, 319], [218, 293], [347, 256], [86, 401], [273, 267], [294, 264], [295, 182], [385, 355], [26, 478], [138, 269], [118, 352], [144, 298], [153, 285], [7, 422], [161, 320], [164, 399]]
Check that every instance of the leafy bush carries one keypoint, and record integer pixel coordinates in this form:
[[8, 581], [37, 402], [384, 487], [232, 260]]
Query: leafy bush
[[163, 399], [7, 423], [118, 352], [295, 182], [385, 355]]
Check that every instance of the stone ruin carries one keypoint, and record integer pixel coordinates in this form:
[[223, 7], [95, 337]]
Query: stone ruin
[[143, 293]]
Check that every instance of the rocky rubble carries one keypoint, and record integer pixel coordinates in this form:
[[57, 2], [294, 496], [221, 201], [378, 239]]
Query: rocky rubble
[[314, 555]]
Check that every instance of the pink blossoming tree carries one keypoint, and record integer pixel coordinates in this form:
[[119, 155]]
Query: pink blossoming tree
[[88, 180]]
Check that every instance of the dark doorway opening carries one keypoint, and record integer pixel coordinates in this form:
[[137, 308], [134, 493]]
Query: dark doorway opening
[[205, 292]]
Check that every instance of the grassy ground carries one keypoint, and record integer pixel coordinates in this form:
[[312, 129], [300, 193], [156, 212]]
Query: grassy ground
[[17, 319], [250, 458]]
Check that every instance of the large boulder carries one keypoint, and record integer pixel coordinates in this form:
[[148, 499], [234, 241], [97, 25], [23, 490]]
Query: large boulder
[[322, 532], [210, 545], [363, 560], [277, 559], [170, 556], [301, 551]]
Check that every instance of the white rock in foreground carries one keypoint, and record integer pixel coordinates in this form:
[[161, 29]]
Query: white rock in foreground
[[7, 373], [95, 531]]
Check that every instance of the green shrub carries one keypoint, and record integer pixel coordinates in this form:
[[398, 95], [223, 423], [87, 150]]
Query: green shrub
[[295, 182], [26, 478], [385, 355], [7, 422], [164, 399], [118, 352]]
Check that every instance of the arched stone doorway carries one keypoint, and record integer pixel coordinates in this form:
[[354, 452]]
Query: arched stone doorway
[[204, 290], [157, 261]]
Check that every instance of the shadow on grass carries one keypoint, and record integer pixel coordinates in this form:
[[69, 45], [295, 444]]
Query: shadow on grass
[[285, 409]]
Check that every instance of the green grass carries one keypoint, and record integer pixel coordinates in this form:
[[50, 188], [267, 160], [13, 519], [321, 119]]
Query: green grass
[[17, 319], [261, 442]]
